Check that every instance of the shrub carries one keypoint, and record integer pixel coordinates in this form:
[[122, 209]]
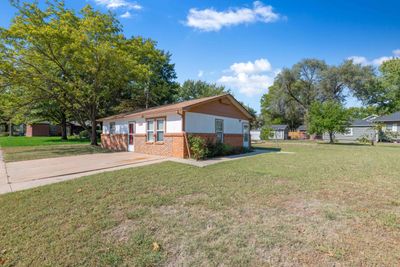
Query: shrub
[[266, 133], [198, 147], [364, 139], [84, 134]]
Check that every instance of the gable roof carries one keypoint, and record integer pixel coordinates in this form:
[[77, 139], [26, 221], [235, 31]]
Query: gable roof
[[277, 127], [179, 107], [391, 117]]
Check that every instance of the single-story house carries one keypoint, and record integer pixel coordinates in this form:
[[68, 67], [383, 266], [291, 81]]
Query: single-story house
[[357, 129], [164, 130], [279, 131], [391, 123]]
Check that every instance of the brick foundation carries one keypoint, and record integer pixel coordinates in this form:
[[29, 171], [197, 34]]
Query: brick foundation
[[116, 142], [174, 145]]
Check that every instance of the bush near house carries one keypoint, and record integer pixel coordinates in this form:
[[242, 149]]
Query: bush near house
[[205, 148]]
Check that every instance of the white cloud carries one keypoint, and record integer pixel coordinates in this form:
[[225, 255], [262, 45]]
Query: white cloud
[[200, 73], [259, 65], [374, 62], [396, 52], [250, 78], [115, 4], [211, 20], [126, 15]]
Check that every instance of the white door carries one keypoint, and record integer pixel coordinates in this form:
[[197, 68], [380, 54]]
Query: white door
[[131, 136], [246, 135]]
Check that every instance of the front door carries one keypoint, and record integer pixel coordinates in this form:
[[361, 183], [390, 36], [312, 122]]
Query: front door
[[246, 135], [131, 134]]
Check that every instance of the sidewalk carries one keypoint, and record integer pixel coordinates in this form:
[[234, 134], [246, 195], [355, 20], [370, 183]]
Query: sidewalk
[[4, 185]]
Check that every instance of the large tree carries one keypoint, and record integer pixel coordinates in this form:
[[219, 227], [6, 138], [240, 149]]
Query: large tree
[[328, 117], [384, 91], [295, 89], [82, 61], [192, 89]]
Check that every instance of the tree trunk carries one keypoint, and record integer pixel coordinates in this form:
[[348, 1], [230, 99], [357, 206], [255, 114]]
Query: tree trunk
[[93, 134], [64, 127], [331, 137], [10, 129]]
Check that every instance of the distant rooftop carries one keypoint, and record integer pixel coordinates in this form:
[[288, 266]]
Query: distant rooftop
[[391, 117], [279, 126]]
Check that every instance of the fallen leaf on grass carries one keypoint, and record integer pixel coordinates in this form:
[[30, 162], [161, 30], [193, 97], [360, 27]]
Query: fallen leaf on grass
[[156, 246]]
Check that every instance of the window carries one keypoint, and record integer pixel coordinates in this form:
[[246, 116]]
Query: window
[[160, 130], [112, 127], [219, 130], [348, 132], [390, 127], [150, 130]]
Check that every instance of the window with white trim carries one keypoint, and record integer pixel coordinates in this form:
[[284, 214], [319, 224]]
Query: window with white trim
[[348, 132], [160, 130], [219, 130], [150, 131], [112, 127]]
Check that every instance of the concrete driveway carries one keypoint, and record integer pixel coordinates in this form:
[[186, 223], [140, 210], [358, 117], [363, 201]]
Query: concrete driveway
[[21, 175]]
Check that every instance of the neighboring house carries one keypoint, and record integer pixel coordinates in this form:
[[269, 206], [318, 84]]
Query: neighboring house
[[42, 129], [390, 122], [357, 129], [164, 130], [279, 132]]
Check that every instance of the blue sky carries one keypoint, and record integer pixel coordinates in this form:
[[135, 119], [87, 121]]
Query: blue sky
[[243, 44]]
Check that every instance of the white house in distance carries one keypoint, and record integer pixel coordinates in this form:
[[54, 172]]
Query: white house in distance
[[164, 130]]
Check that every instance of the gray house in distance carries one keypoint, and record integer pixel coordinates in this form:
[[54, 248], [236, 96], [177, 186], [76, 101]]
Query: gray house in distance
[[279, 132], [357, 129], [390, 122]]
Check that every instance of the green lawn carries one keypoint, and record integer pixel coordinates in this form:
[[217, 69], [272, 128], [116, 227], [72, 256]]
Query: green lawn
[[322, 205], [15, 141], [28, 148], [41, 152]]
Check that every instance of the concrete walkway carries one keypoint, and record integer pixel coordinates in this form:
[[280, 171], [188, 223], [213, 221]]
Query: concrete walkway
[[208, 162], [33, 173], [4, 185], [20, 175]]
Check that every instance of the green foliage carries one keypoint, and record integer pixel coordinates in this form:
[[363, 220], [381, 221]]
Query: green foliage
[[384, 90], [198, 147], [191, 89], [363, 112], [294, 90], [202, 148], [364, 139], [81, 62], [328, 117], [266, 133]]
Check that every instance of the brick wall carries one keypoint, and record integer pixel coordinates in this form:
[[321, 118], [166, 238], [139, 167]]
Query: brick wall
[[117, 142], [174, 145], [37, 130]]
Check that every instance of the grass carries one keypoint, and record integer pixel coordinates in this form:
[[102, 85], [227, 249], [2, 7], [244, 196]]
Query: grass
[[12, 154], [29, 148], [322, 205], [18, 141]]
